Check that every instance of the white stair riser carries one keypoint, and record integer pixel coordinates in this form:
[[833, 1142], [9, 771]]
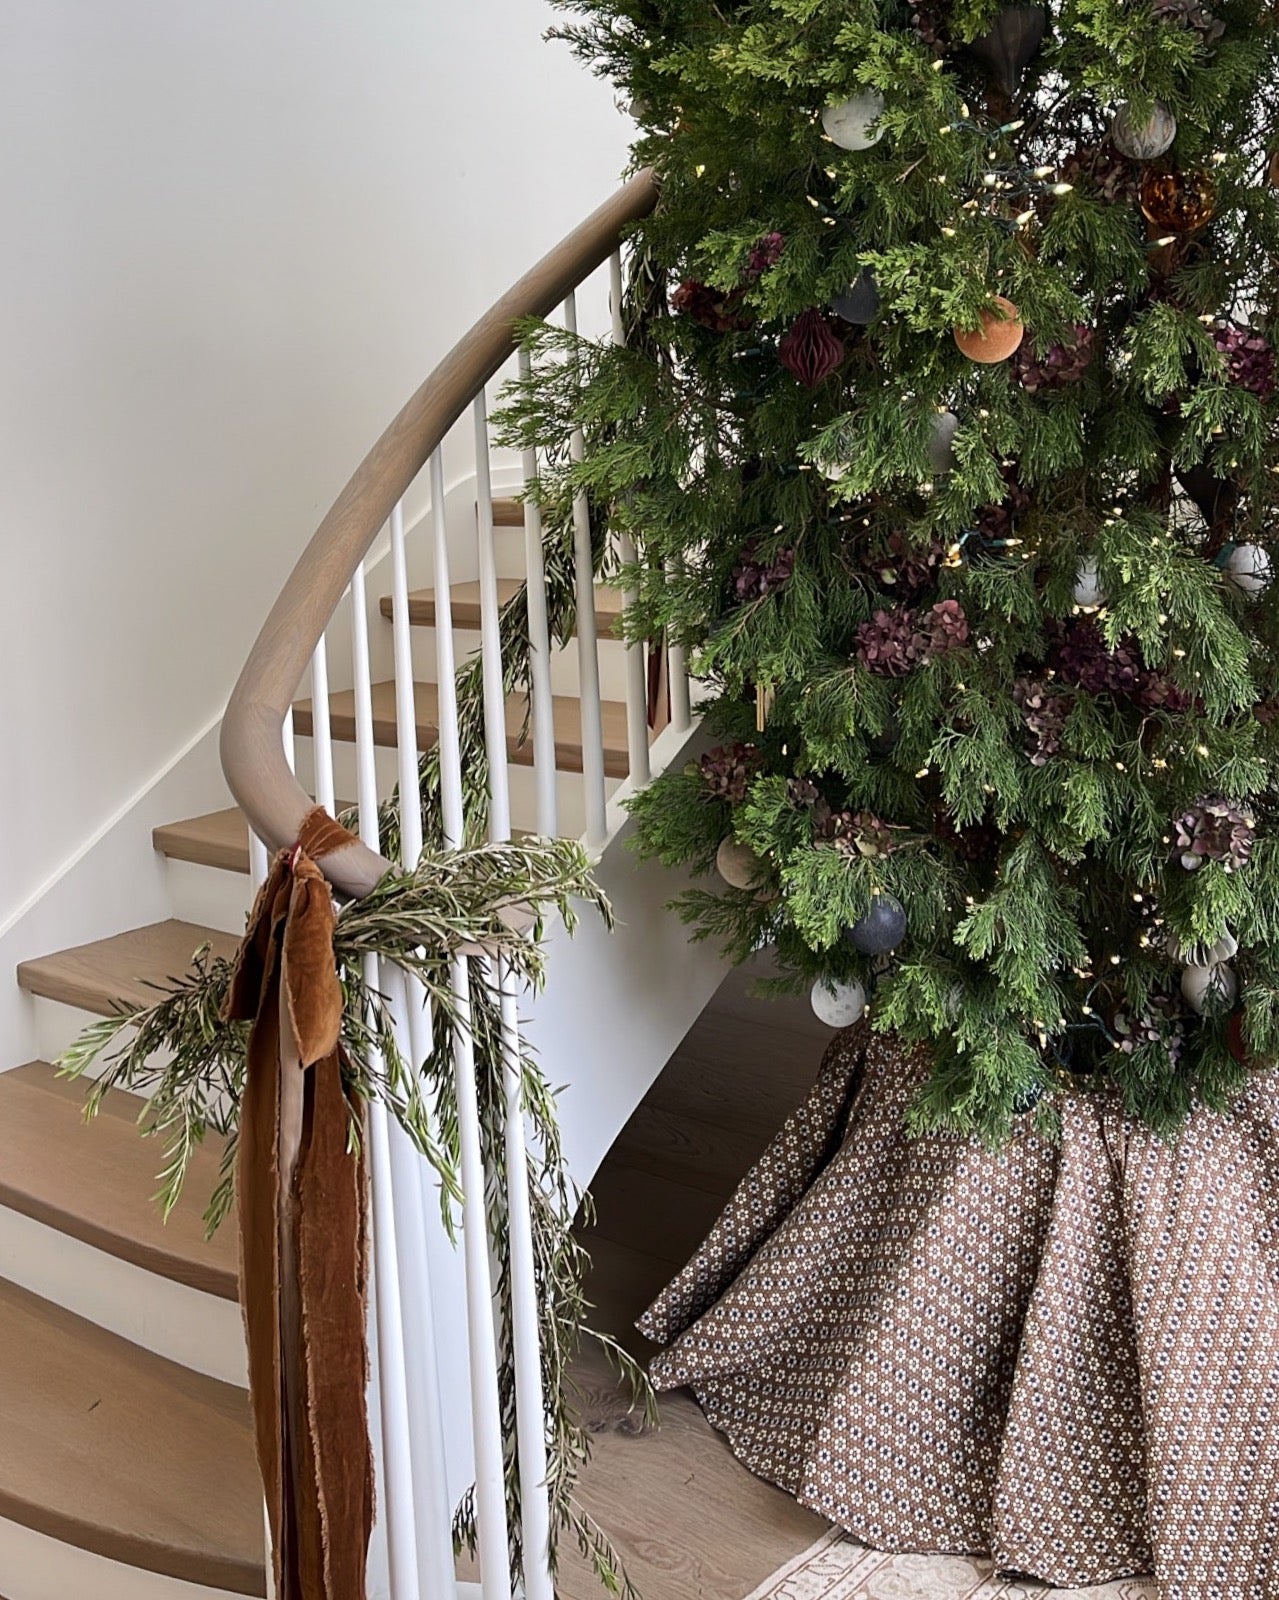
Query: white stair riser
[[197, 1330], [209, 896], [36, 1567]]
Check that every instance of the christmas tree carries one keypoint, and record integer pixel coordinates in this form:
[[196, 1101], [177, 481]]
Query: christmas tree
[[944, 429]]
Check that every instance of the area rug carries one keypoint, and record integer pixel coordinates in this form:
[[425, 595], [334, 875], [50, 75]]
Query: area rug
[[838, 1568]]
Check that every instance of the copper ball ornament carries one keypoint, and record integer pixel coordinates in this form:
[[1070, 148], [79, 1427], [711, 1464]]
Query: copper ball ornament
[[998, 336], [1178, 202]]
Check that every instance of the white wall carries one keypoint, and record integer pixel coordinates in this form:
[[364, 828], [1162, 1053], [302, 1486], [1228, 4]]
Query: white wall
[[237, 233]]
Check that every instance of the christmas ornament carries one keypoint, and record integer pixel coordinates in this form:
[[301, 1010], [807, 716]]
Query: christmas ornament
[[738, 865], [810, 351], [943, 426], [1213, 954], [882, 928], [997, 336], [1145, 139], [859, 303], [1215, 830], [853, 124], [1247, 356], [1189, 14], [1178, 202], [1009, 45], [1208, 987], [1247, 566], [1062, 363], [838, 1004], [1087, 591], [1214, 496]]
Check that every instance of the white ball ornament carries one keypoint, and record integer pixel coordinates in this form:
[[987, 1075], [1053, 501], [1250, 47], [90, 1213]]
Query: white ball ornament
[[853, 123], [1248, 568], [1088, 591], [738, 865], [1203, 986], [1222, 949], [838, 1005]]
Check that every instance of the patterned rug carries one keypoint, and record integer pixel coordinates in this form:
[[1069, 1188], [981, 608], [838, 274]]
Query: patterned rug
[[838, 1568]]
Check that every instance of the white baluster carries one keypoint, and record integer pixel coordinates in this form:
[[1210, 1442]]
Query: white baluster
[[543, 707], [321, 732], [636, 673], [587, 644], [259, 862], [490, 633], [525, 1333], [436, 1573], [397, 1497], [486, 1416], [677, 673]]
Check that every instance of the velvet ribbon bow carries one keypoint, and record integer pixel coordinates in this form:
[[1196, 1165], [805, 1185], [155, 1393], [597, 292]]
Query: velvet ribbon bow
[[301, 1198]]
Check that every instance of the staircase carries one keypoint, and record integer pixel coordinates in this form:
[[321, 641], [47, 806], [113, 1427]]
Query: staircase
[[126, 1461]]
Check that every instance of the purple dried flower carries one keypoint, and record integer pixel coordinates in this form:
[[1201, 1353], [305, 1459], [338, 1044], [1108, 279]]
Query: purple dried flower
[[889, 643], [996, 521], [728, 770], [1044, 711], [1061, 364], [1161, 1021], [1248, 356], [710, 307], [859, 833], [903, 562], [1083, 660], [810, 351], [1216, 830], [1192, 16], [1158, 692], [765, 253], [755, 576], [945, 627]]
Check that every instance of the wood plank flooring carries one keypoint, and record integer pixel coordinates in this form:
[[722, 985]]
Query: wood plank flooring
[[690, 1522]]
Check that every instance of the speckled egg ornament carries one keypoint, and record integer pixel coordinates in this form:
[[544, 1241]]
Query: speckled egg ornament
[[853, 124], [1087, 591], [838, 1004]]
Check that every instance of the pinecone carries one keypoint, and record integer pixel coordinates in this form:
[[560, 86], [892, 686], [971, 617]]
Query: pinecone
[[711, 308], [1189, 14], [728, 770], [996, 522], [1102, 171], [1215, 830], [1082, 659], [1248, 357], [945, 627], [859, 833], [889, 643], [765, 253], [1044, 712], [755, 576], [1061, 364]]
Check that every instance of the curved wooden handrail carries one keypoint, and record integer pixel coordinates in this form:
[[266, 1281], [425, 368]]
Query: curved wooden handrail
[[252, 745]]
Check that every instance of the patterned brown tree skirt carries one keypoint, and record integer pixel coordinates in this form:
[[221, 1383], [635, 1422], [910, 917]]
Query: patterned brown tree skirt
[[1065, 1358]]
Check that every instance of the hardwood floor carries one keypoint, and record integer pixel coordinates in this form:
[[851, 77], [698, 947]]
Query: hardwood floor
[[690, 1522]]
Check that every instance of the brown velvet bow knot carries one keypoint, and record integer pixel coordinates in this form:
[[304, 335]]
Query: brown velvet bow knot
[[300, 1194]]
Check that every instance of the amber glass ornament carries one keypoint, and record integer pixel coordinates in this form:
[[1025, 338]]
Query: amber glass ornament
[[1178, 202], [1000, 333]]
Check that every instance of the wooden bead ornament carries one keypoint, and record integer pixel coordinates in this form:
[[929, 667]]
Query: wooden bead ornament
[[998, 336]]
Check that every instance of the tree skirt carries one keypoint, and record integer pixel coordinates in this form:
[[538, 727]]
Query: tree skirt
[[1062, 1357], [838, 1568]]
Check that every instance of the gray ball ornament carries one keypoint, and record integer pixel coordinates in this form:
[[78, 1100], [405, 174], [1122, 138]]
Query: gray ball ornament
[[882, 928], [1146, 140]]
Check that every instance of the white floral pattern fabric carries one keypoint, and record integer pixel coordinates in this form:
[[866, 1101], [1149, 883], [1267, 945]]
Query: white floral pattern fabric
[[1061, 1357]]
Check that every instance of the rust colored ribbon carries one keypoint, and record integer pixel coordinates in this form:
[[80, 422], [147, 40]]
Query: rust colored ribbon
[[300, 1194]]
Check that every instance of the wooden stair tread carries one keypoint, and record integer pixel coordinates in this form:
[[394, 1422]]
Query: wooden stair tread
[[117, 1451], [123, 970], [95, 1181], [567, 718], [465, 601], [508, 512], [216, 839]]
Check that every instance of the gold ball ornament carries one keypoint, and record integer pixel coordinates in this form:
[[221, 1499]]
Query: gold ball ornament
[[1178, 202], [998, 336]]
